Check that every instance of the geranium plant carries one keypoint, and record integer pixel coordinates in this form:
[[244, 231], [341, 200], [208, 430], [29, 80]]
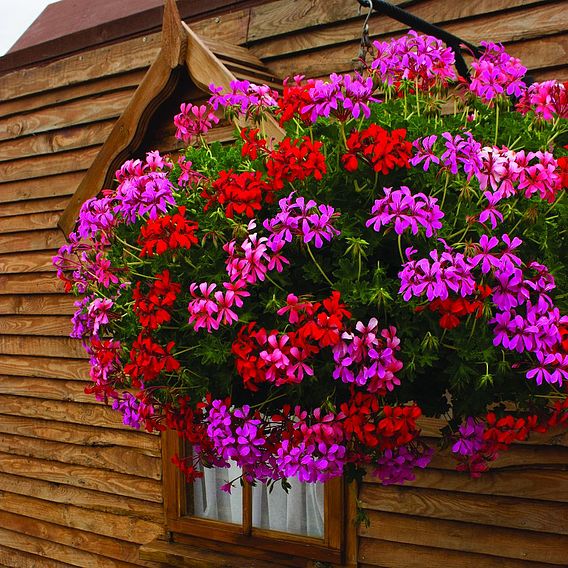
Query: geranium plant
[[296, 306]]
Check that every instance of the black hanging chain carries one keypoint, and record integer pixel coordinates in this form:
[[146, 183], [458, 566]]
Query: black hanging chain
[[404, 17]]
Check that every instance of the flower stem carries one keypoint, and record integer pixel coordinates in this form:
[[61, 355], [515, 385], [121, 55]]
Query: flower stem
[[496, 122], [318, 266]]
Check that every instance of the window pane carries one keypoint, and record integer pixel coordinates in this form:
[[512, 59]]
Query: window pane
[[300, 511], [206, 500]]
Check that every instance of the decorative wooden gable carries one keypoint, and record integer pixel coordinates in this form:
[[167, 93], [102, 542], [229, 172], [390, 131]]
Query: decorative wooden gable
[[182, 52]]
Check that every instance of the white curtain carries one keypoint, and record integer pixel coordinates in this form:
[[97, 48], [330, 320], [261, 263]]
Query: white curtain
[[300, 511], [212, 503]]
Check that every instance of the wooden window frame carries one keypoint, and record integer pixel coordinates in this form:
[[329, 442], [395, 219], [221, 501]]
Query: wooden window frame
[[223, 535]]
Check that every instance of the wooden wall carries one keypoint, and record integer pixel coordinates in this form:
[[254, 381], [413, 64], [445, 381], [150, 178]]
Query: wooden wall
[[79, 489]]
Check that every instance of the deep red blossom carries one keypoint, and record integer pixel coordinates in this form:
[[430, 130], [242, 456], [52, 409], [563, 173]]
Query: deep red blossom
[[398, 426], [295, 160], [166, 233], [148, 359], [150, 308], [384, 151], [563, 167], [359, 414], [240, 193], [453, 310], [294, 98], [253, 143]]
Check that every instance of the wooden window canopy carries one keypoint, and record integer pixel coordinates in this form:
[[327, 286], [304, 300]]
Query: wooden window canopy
[[181, 48]]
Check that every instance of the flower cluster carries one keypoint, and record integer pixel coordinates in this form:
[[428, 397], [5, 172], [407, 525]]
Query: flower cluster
[[384, 151], [414, 57], [291, 306]]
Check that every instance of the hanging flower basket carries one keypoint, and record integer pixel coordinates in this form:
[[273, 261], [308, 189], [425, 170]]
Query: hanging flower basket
[[294, 307]]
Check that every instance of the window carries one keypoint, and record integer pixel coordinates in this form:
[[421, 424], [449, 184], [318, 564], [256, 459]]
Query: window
[[307, 522]]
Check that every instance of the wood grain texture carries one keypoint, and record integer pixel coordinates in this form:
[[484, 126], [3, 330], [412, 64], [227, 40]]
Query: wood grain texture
[[381, 553], [20, 559], [55, 141], [512, 512], [26, 169], [87, 414], [49, 389], [468, 537], [33, 206], [117, 459], [85, 91], [35, 325], [29, 222], [506, 25], [16, 263], [78, 434], [53, 550], [79, 497], [56, 185], [47, 367], [66, 115], [31, 241], [86, 477], [30, 284], [55, 304], [530, 484], [105, 61], [84, 541], [42, 346], [120, 527]]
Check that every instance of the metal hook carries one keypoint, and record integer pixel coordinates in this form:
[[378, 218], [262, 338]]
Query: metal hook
[[365, 44]]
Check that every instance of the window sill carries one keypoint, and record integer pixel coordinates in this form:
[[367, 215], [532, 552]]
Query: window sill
[[190, 556]]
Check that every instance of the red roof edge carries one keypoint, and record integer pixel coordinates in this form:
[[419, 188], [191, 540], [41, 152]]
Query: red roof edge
[[137, 24]]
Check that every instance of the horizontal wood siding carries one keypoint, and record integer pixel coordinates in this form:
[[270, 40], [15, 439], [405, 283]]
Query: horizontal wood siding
[[77, 487]]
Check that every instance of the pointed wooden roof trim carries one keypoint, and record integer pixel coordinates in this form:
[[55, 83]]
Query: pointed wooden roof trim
[[180, 47]]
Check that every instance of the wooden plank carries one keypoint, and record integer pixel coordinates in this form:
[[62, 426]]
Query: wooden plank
[[67, 94], [86, 477], [57, 118], [73, 412], [31, 241], [47, 305], [41, 346], [46, 283], [129, 529], [465, 537], [33, 206], [46, 367], [538, 53], [59, 140], [85, 498], [70, 161], [518, 456], [283, 17], [35, 325], [531, 484], [110, 60], [382, 27], [375, 552], [109, 548], [510, 512], [51, 186], [16, 263], [19, 559], [78, 433], [30, 222], [50, 389], [116, 459], [56, 551]]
